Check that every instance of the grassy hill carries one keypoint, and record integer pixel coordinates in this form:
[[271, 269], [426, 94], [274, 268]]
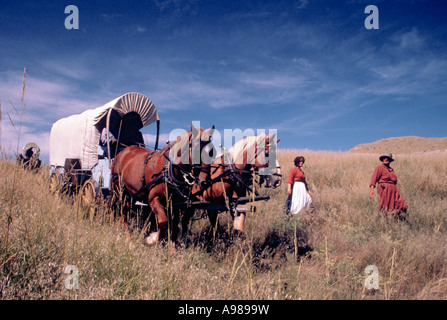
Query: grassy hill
[[320, 253], [399, 145]]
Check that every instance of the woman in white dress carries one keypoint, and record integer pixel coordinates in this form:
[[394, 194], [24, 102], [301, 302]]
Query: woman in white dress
[[297, 187]]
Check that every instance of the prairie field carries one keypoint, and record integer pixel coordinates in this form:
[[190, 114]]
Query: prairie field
[[321, 253]]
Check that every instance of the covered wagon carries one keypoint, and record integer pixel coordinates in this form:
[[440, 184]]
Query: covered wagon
[[83, 146]]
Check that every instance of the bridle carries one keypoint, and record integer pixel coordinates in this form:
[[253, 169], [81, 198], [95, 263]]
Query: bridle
[[189, 173]]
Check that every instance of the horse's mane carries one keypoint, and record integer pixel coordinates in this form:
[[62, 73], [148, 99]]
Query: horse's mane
[[183, 139], [182, 143], [248, 144]]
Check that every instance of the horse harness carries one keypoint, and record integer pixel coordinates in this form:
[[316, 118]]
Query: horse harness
[[166, 175], [235, 176]]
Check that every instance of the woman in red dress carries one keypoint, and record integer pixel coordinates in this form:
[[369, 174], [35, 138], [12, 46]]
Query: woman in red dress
[[390, 199], [297, 187]]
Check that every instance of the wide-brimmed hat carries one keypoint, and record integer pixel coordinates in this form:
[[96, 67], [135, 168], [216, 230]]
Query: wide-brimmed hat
[[387, 155]]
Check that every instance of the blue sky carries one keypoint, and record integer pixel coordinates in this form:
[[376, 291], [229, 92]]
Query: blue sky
[[308, 68]]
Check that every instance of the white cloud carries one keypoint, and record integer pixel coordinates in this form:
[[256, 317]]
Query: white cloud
[[45, 102], [140, 29], [274, 81], [66, 69], [302, 4], [108, 17], [177, 6], [12, 142], [149, 139]]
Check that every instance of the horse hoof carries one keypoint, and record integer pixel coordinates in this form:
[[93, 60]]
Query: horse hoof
[[238, 222], [152, 239], [172, 248], [130, 245], [239, 234]]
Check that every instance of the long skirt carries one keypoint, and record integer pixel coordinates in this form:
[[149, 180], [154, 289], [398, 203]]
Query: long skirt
[[300, 198], [390, 199]]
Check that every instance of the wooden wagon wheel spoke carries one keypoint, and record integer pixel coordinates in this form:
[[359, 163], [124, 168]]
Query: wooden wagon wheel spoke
[[89, 197], [54, 183], [88, 193]]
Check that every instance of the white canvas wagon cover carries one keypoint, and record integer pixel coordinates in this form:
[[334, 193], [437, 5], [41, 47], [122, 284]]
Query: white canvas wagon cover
[[78, 136]]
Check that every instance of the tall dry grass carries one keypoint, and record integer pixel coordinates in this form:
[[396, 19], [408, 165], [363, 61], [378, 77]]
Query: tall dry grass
[[320, 253]]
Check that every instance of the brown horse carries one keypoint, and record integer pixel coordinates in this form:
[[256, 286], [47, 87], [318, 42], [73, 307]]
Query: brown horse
[[232, 174], [147, 175]]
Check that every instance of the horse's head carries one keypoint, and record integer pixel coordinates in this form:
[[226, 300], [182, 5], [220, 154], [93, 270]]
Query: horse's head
[[272, 180], [271, 175], [201, 169], [255, 151], [187, 153], [259, 154]]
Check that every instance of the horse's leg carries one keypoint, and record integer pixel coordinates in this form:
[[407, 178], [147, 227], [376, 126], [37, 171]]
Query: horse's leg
[[239, 217], [238, 222], [175, 230], [186, 218], [162, 221], [118, 203], [212, 217], [123, 223]]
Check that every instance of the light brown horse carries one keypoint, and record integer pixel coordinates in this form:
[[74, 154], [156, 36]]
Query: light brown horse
[[145, 175], [232, 174]]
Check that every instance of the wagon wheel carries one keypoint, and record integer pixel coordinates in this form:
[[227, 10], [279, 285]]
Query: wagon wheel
[[55, 184], [88, 196]]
